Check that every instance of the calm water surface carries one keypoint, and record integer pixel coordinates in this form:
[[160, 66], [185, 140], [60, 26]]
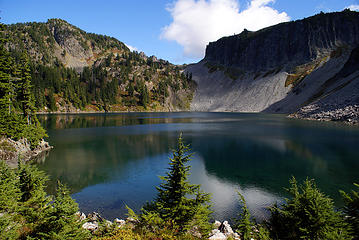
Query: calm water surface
[[113, 160]]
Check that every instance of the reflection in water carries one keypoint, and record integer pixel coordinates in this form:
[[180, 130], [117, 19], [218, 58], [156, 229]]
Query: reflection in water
[[110, 160]]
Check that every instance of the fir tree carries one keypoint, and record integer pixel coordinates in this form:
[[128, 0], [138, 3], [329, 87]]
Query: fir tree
[[309, 214], [244, 224], [6, 79], [15, 85], [351, 210], [25, 89], [247, 228], [9, 197], [178, 201], [35, 203], [60, 221]]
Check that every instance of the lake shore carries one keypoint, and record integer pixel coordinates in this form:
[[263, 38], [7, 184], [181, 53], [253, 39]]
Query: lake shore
[[351, 118], [12, 151]]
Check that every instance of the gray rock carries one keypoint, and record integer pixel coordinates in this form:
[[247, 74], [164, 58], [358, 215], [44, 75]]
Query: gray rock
[[81, 216], [95, 217], [108, 223], [291, 44], [226, 228], [256, 72], [21, 149], [119, 222], [218, 236], [92, 226], [217, 224]]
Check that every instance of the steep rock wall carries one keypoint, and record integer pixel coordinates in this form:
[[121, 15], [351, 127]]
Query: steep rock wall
[[283, 68]]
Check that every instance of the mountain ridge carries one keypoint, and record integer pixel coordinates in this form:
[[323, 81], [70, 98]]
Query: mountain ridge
[[280, 69], [75, 71]]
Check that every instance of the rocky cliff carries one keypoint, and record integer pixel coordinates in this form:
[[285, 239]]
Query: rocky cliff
[[281, 69], [287, 44]]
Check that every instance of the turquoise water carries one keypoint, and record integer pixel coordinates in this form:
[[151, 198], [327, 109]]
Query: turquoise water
[[113, 160]]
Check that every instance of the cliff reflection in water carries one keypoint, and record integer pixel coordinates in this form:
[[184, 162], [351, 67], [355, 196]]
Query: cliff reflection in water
[[113, 160]]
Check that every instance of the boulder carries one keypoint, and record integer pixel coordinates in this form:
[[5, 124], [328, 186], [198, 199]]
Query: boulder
[[226, 228], [95, 217], [81, 216], [217, 224], [92, 226], [119, 222], [218, 236]]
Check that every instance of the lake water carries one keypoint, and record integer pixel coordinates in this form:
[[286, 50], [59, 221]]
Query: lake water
[[113, 160]]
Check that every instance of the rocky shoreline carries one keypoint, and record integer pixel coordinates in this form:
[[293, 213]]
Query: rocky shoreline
[[93, 221], [11, 151], [347, 114]]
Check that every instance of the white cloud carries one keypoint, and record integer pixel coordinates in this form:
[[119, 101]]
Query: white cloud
[[353, 7], [131, 48], [198, 22]]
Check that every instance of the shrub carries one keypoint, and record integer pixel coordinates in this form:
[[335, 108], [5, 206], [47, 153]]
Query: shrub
[[351, 210], [309, 214]]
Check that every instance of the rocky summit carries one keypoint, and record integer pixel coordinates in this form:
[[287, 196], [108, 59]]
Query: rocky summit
[[284, 69]]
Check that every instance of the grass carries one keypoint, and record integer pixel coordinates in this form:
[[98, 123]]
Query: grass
[[300, 72]]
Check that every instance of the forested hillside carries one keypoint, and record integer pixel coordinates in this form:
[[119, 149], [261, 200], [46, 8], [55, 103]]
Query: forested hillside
[[72, 70]]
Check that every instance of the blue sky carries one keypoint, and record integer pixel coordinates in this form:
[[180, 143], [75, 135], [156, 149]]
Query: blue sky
[[175, 30]]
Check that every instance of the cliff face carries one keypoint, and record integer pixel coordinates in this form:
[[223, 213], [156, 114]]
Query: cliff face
[[281, 69], [287, 44]]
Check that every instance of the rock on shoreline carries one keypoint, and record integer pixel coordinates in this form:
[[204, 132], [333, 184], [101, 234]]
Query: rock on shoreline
[[11, 151], [346, 114], [92, 222]]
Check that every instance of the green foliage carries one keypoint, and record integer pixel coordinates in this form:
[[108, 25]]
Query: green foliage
[[9, 197], [97, 87], [179, 203], [15, 126], [34, 202], [28, 212], [309, 214], [16, 90], [246, 227], [351, 210], [144, 95], [61, 221], [244, 223]]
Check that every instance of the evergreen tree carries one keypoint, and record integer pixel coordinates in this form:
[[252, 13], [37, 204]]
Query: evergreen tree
[[143, 94], [25, 94], [246, 227], [60, 221], [351, 211], [6, 79], [35, 203], [309, 214], [9, 197], [51, 100], [244, 224], [178, 201], [15, 85]]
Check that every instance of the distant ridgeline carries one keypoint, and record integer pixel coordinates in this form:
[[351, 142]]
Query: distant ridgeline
[[73, 70]]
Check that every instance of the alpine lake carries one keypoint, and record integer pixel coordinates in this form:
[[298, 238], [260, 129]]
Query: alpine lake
[[113, 160]]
